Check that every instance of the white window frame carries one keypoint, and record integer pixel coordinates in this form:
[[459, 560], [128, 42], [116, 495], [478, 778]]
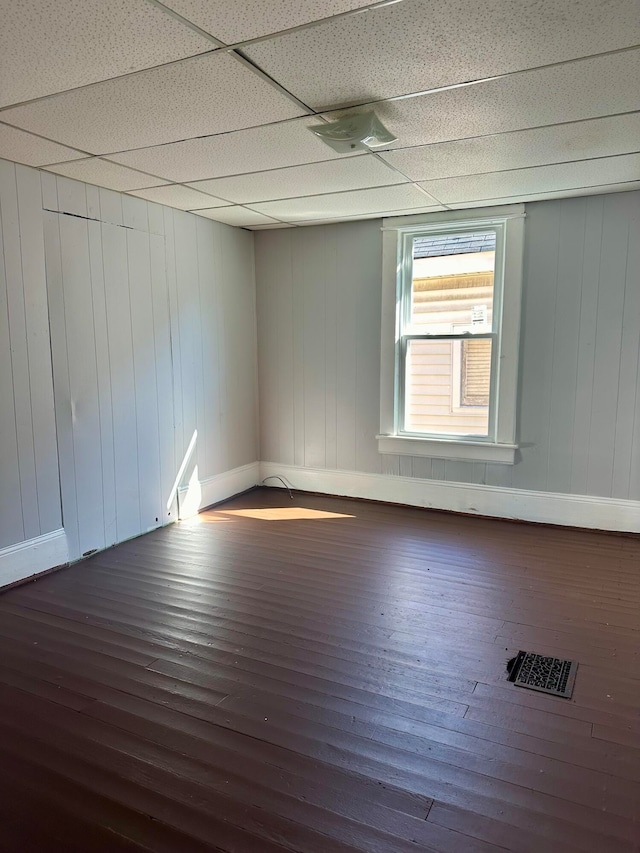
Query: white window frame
[[500, 444]]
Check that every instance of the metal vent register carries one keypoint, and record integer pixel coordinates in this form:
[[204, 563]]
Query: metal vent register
[[548, 675]]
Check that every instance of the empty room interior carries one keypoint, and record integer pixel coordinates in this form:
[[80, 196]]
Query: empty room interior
[[320, 426]]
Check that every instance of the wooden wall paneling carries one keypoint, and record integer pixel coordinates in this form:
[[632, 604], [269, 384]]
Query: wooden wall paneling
[[626, 464], [315, 244], [49, 190], [278, 396], [438, 469], [15, 300], [210, 417], [285, 352], [164, 373], [83, 381], [155, 216], [587, 344], [346, 349], [457, 471], [237, 335], [390, 464], [145, 377], [576, 337], [608, 345], [62, 391], [123, 389], [421, 467], [479, 473], [536, 351], [103, 367], [275, 394], [93, 201], [333, 279], [198, 327], [405, 466], [134, 213], [11, 522], [498, 475], [72, 196], [187, 307], [298, 270], [39, 348], [366, 270], [571, 234], [110, 207], [171, 504]]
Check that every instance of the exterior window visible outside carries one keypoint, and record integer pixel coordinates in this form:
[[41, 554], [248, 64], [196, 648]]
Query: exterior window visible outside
[[449, 373]]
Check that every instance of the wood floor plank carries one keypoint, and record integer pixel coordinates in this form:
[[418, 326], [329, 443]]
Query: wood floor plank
[[326, 676]]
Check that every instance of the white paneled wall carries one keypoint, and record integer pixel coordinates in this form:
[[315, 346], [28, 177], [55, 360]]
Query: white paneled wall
[[29, 485], [153, 338], [319, 345], [579, 401], [142, 328]]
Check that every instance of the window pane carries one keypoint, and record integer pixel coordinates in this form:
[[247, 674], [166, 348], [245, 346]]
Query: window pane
[[452, 286], [447, 385]]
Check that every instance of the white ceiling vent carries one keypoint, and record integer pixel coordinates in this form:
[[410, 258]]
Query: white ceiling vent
[[355, 132]]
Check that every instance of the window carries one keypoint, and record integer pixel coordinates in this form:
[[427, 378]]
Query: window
[[451, 308]]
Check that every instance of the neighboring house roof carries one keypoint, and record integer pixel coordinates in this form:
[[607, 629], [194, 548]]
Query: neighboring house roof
[[453, 244]]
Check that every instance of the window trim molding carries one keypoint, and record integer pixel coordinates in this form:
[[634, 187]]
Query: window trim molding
[[503, 448]]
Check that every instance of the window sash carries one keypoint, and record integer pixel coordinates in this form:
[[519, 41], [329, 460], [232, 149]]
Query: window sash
[[405, 333], [401, 388]]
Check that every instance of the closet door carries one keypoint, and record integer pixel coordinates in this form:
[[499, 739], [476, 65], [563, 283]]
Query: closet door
[[108, 309]]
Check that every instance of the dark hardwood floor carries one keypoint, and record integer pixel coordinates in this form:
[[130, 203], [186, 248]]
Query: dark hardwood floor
[[323, 675]]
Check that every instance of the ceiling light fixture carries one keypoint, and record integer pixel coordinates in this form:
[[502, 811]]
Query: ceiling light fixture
[[355, 132]]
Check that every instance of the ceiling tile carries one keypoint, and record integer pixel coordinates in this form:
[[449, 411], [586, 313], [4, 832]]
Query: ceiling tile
[[331, 176], [412, 46], [247, 19], [102, 173], [626, 186], [539, 179], [181, 197], [273, 227], [22, 147], [270, 147], [379, 200], [209, 94], [48, 47], [430, 208], [586, 89], [237, 216], [555, 144]]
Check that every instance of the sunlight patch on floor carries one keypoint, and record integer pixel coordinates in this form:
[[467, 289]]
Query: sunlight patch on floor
[[285, 513]]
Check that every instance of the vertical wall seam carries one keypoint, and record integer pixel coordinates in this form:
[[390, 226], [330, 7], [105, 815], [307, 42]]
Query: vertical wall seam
[[95, 353], [553, 342], [620, 371], [106, 320], [595, 343], [49, 338], [13, 388], [27, 350], [135, 379]]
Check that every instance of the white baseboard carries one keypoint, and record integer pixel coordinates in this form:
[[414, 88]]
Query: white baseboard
[[543, 507], [203, 493], [25, 559]]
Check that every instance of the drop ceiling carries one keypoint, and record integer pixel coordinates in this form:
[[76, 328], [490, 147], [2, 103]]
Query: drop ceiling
[[204, 105]]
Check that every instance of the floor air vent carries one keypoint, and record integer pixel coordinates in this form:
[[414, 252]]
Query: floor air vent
[[548, 675]]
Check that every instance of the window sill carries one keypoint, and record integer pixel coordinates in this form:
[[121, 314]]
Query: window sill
[[436, 448]]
